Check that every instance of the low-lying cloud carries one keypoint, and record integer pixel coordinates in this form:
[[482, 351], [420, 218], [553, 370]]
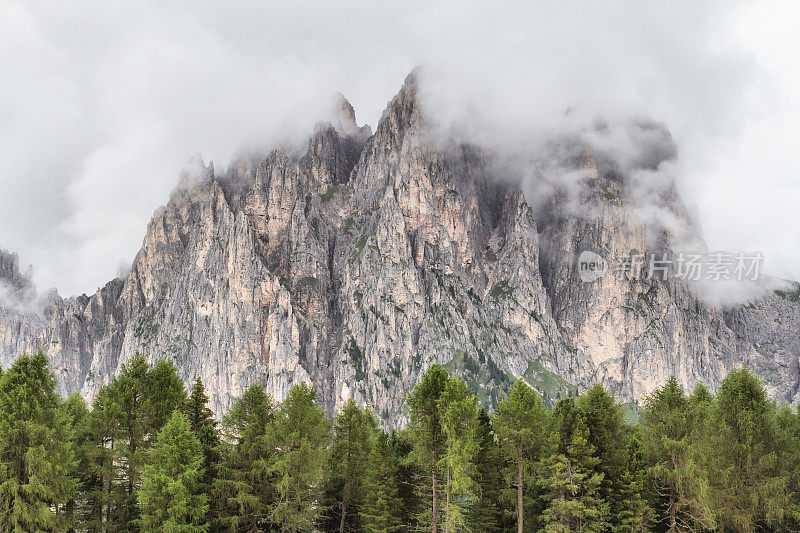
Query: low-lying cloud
[[103, 104]]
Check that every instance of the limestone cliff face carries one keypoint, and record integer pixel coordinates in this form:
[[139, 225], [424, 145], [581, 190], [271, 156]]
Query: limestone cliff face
[[361, 262]]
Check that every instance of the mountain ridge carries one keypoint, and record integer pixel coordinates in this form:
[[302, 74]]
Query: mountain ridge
[[359, 263]]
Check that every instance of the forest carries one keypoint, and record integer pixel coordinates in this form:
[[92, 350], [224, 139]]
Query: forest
[[148, 455]]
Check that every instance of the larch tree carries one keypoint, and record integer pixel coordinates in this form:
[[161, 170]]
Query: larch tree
[[428, 437], [570, 478], [458, 412], [747, 487], [171, 496], [519, 422], [302, 436], [668, 446]]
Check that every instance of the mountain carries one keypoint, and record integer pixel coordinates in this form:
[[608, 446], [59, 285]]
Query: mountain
[[359, 263]]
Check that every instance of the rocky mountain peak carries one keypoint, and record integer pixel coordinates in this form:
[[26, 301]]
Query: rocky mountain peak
[[358, 264]]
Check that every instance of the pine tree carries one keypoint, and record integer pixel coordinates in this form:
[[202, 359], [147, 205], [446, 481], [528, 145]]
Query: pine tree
[[245, 483], [458, 411], [428, 437], [667, 434], [487, 513], [354, 431], [171, 498], [519, 422], [36, 456], [748, 489], [381, 511], [302, 434], [572, 483]]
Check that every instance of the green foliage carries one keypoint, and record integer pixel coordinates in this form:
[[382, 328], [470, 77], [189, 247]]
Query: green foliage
[[354, 431], [487, 512], [329, 193], [519, 422], [572, 484], [458, 412], [204, 427], [147, 458], [428, 438], [381, 510], [302, 435], [171, 497], [36, 452], [747, 487], [670, 447], [244, 488]]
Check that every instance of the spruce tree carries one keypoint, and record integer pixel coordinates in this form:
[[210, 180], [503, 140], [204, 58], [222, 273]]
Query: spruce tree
[[428, 438], [487, 512], [519, 422], [171, 497], [354, 432], [79, 510], [302, 435], [381, 510], [36, 454], [204, 427], [570, 477], [245, 483], [606, 432]]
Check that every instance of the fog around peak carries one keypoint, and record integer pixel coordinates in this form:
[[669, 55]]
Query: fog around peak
[[104, 105]]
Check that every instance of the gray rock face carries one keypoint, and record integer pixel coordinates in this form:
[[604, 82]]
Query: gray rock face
[[358, 264]]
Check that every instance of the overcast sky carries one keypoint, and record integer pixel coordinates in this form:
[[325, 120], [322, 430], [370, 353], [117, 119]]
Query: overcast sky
[[101, 105]]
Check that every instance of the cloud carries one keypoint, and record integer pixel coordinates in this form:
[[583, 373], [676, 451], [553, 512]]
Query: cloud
[[102, 104]]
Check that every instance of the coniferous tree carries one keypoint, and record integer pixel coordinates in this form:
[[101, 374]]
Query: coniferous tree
[[102, 501], [408, 475], [747, 488], [606, 432], [136, 404], [204, 427], [36, 456], [78, 509], [164, 393], [302, 435], [171, 497], [487, 512], [570, 477], [381, 510], [428, 438], [519, 422], [458, 411], [354, 432], [634, 514], [668, 442], [787, 423], [245, 484]]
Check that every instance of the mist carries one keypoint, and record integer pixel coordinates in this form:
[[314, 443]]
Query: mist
[[102, 105]]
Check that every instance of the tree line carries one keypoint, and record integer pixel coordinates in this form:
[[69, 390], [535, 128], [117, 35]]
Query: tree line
[[150, 456]]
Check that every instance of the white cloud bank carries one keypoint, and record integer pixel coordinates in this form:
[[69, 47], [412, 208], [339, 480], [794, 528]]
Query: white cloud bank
[[101, 104]]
